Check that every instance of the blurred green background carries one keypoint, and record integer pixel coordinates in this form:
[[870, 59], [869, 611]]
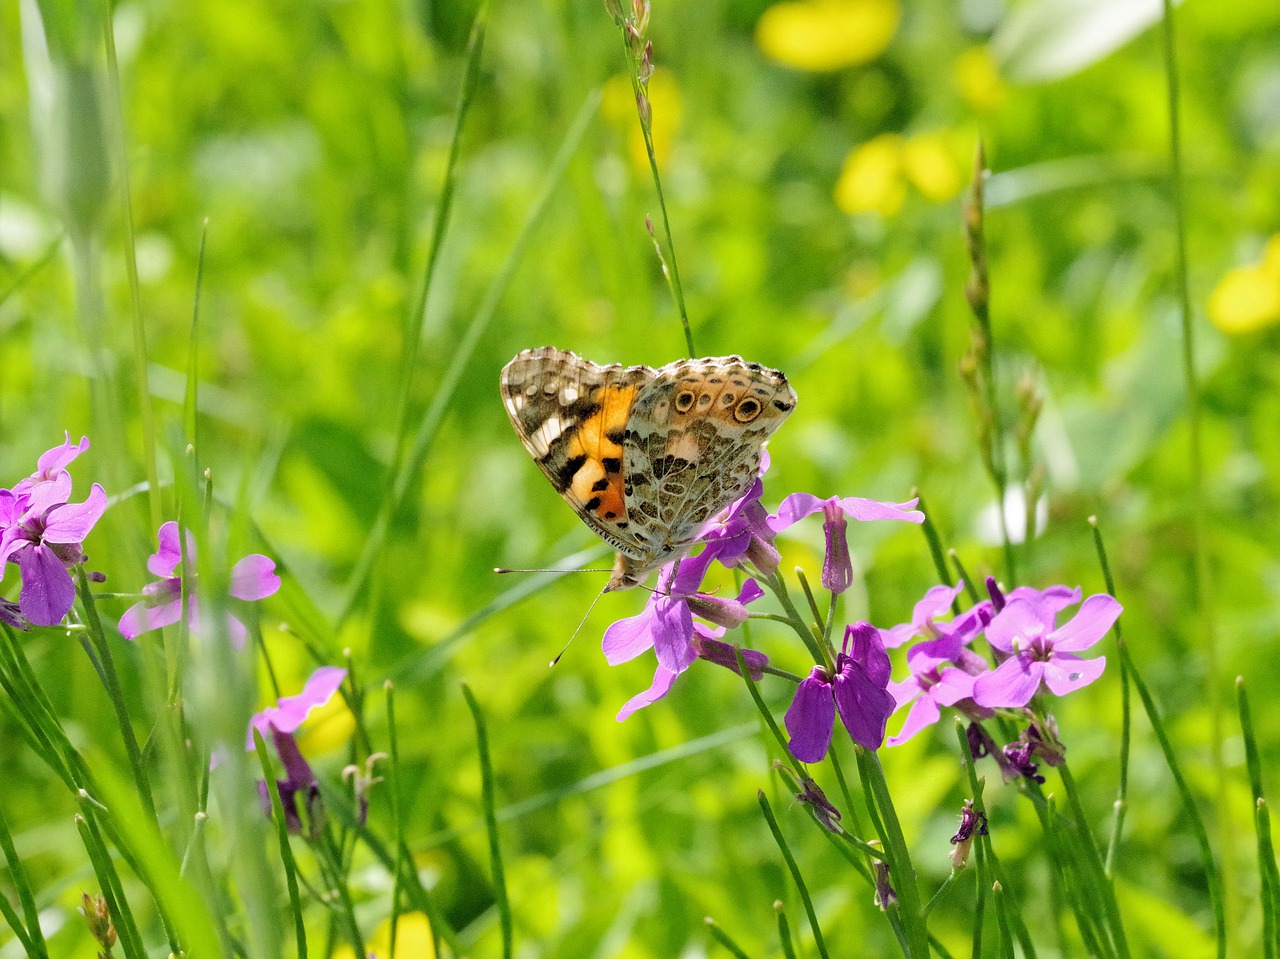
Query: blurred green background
[[814, 154]]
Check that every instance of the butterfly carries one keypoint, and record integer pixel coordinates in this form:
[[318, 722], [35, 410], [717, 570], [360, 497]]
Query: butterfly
[[646, 457]]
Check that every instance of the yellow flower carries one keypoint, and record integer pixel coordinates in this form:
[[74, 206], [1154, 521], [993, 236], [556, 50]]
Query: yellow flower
[[827, 34], [619, 108], [930, 164], [1248, 297], [413, 939], [871, 181], [979, 80]]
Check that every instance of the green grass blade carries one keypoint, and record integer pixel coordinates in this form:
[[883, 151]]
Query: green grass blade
[[722, 937], [190, 404], [31, 936], [282, 835], [794, 869], [462, 353], [491, 821], [1269, 877]]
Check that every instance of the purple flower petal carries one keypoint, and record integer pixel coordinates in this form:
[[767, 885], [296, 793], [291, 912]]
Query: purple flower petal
[[1090, 624], [628, 638], [793, 509], [71, 522], [45, 496], [865, 510], [47, 590], [289, 714], [863, 645], [895, 636], [1011, 684], [811, 717], [751, 591], [935, 602], [662, 682], [144, 617], [1066, 673], [165, 560], [953, 685], [52, 463], [1052, 600], [864, 705], [924, 713], [673, 635], [254, 577], [1015, 626], [904, 691]]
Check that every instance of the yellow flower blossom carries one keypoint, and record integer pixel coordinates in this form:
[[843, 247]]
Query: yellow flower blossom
[[931, 166], [978, 79], [876, 174], [825, 35], [1248, 298], [871, 181], [413, 938], [619, 109]]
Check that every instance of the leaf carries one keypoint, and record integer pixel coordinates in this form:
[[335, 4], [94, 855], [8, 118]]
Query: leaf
[[1050, 39]]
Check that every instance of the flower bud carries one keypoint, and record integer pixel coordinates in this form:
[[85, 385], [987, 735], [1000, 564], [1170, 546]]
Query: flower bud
[[837, 567], [886, 898], [723, 612], [972, 822], [723, 654]]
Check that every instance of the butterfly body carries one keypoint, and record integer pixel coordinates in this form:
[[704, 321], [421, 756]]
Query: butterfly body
[[647, 457]]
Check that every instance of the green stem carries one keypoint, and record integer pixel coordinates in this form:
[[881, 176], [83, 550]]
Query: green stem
[[1095, 873], [1269, 877], [1002, 921], [108, 879], [140, 355], [111, 681], [795, 873], [745, 672], [722, 937], [1204, 589], [1213, 878], [397, 820], [282, 835], [784, 932], [900, 867]]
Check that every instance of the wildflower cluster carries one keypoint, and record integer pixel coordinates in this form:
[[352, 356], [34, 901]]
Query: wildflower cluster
[[1029, 652], [42, 533]]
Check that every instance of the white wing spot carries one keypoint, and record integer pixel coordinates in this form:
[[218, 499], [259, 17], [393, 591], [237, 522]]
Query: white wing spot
[[546, 434], [568, 394]]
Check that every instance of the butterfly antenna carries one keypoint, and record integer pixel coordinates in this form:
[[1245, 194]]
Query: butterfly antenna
[[503, 569], [581, 623]]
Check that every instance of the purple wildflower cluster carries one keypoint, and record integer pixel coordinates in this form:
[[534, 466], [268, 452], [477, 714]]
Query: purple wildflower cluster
[[1031, 652], [252, 578], [682, 624], [42, 533]]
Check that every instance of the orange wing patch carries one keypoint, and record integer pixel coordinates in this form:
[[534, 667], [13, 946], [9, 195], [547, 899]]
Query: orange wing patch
[[597, 483]]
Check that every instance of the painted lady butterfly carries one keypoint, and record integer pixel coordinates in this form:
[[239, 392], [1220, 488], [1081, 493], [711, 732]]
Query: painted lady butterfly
[[646, 457]]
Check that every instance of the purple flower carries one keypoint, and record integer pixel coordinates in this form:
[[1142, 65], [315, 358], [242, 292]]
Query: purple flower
[[1040, 653], [932, 684], [973, 822], [43, 533], [741, 533], [253, 578], [667, 624], [291, 711], [857, 692], [837, 567], [280, 722], [52, 464], [946, 641], [1054, 599]]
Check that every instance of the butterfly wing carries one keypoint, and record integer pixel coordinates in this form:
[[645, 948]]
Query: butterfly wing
[[693, 445], [571, 415]]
